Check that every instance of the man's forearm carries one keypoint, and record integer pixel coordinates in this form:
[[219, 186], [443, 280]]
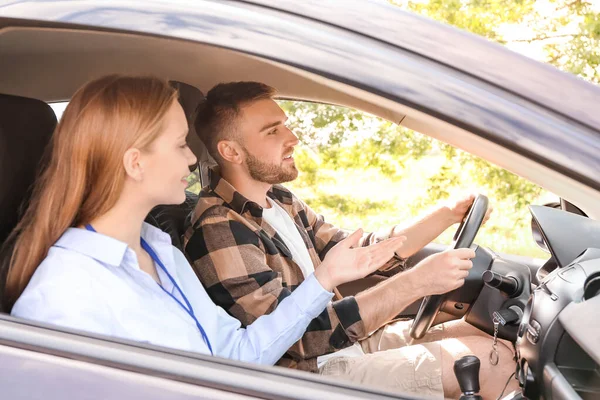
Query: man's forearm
[[424, 231], [383, 302]]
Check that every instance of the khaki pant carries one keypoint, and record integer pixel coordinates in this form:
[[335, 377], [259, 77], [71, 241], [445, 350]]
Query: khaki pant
[[395, 361]]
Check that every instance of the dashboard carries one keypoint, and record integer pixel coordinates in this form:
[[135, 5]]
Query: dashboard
[[557, 343]]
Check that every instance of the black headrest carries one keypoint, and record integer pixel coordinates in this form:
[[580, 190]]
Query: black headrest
[[26, 126], [190, 98]]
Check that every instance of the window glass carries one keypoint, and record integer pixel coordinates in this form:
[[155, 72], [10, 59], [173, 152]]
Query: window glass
[[194, 181], [362, 171], [59, 108]]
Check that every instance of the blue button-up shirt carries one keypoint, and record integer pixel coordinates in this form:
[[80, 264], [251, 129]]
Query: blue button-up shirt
[[93, 282]]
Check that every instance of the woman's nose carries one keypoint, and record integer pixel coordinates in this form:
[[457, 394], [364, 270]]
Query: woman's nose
[[191, 157]]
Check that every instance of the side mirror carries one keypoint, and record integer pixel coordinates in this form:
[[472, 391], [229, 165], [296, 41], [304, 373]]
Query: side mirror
[[537, 233]]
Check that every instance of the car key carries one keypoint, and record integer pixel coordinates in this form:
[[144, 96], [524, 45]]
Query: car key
[[502, 317], [507, 316], [494, 355]]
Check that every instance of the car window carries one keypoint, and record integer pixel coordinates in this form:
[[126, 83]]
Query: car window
[[193, 179], [362, 171], [59, 108]]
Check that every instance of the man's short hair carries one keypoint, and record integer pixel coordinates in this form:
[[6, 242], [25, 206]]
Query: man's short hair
[[215, 119]]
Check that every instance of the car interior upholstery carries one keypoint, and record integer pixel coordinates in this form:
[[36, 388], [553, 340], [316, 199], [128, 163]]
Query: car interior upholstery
[[26, 126], [42, 67]]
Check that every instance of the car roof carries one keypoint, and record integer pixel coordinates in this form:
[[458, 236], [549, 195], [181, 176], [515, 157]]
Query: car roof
[[489, 61], [540, 83]]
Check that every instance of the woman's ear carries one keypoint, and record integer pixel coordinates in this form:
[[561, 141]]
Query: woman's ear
[[133, 165], [230, 151]]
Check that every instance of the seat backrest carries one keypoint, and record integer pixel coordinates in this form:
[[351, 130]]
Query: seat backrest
[[26, 126]]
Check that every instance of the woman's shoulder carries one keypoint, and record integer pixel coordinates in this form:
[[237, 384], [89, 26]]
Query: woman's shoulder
[[64, 275], [62, 270], [65, 265], [61, 289]]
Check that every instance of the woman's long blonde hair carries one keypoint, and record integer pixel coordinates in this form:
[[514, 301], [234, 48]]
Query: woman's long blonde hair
[[85, 174]]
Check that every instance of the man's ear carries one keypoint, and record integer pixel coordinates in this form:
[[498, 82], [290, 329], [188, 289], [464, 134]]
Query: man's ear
[[133, 165], [230, 151]]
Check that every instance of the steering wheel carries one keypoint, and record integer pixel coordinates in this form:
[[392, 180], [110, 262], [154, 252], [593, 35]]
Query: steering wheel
[[463, 238]]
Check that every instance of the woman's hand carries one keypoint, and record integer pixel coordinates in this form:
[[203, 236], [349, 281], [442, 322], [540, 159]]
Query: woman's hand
[[344, 263]]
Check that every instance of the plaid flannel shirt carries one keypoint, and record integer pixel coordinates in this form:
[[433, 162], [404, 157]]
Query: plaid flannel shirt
[[247, 269]]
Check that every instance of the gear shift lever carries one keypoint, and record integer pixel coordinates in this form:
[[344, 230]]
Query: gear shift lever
[[466, 370]]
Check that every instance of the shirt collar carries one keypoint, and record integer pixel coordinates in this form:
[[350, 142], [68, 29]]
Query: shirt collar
[[238, 202], [109, 250]]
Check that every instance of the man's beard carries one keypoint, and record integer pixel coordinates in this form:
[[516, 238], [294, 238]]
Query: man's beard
[[269, 173]]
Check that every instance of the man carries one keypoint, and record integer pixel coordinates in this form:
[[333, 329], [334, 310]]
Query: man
[[252, 242]]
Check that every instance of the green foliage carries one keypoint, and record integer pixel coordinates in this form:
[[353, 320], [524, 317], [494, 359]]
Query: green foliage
[[349, 205], [360, 170], [193, 181], [339, 137], [310, 164], [568, 30], [353, 198], [580, 53], [483, 17], [503, 185]]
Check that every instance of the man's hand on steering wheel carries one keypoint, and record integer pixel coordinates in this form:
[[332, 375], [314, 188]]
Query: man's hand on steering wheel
[[463, 239], [460, 207], [443, 272]]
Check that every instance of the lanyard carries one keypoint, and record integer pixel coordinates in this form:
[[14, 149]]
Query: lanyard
[[187, 309]]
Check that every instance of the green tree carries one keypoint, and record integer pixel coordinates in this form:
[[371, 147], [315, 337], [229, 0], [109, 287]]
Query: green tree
[[569, 30], [571, 38], [338, 137], [482, 17]]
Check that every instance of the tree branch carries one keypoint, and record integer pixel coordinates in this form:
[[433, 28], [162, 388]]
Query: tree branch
[[545, 37]]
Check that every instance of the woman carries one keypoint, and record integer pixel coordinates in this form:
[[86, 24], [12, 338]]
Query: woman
[[85, 259]]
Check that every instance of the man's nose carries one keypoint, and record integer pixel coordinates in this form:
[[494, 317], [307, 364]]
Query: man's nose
[[293, 139]]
